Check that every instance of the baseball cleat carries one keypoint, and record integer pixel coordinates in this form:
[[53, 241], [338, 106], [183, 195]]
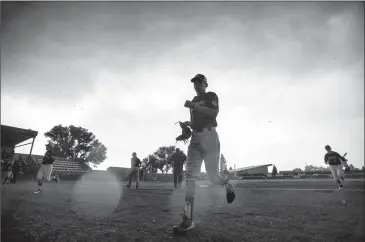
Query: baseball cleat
[[230, 194], [129, 186], [186, 225], [38, 191]]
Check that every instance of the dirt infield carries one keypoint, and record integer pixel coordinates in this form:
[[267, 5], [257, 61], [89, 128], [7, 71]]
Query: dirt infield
[[290, 210]]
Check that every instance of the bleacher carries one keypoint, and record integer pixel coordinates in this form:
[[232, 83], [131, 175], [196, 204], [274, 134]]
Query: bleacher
[[65, 168], [61, 166]]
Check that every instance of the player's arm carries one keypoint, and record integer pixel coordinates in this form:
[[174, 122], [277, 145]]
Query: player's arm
[[326, 159]]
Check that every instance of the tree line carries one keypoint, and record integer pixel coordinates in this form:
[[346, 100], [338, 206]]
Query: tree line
[[78, 143], [321, 168]]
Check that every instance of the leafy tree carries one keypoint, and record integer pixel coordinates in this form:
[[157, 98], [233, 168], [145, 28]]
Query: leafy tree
[[163, 155], [144, 163], [222, 164], [297, 170], [274, 171], [76, 143], [150, 163], [315, 168]]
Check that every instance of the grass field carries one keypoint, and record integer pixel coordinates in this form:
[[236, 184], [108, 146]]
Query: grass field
[[270, 210]]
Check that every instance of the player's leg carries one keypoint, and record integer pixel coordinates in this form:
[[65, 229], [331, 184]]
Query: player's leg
[[340, 173], [130, 177], [8, 177], [211, 147], [48, 172], [194, 162], [333, 169], [137, 178], [55, 178], [175, 176], [39, 178], [179, 177], [15, 176]]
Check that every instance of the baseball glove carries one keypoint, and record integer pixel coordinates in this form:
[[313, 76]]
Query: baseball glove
[[185, 134]]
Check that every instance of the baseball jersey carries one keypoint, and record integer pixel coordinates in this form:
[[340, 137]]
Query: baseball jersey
[[201, 120], [48, 158], [333, 158], [179, 158], [135, 162]]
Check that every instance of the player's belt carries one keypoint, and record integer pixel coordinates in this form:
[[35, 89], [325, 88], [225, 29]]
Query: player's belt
[[199, 130]]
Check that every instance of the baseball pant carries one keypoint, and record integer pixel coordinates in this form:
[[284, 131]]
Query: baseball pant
[[178, 176], [337, 171], [45, 172], [203, 146], [8, 176], [134, 172], [15, 176]]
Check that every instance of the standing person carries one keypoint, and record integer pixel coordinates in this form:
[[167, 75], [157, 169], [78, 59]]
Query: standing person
[[334, 160], [178, 160], [46, 168], [135, 164], [7, 156], [204, 145], [8, 170], [16, 170]]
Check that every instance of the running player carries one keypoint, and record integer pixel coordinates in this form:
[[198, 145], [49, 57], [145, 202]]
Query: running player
[[46, 168], [178, 160], [135, 164], [334, 160], [204, 145]]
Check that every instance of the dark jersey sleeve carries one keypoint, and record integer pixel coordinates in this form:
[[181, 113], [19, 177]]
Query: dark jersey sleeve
[[212, 100], [325, 158]]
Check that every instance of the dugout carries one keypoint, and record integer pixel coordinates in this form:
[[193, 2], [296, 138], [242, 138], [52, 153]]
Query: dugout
[[11, 138]]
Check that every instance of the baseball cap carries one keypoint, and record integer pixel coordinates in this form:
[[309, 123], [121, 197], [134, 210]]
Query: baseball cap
[[200, 77], [327, 147]]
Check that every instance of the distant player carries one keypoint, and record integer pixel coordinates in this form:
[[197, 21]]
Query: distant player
[[16, 170], [334, 160], [178, 160], [204, 145], [7, 168], [46, 168], [135, 165]]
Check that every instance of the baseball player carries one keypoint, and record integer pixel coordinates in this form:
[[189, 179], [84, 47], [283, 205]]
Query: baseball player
[[204, 145], [178, 160], [334, 160], [16, 170], [7, 156], [46, 168], [135, 165], [7, 168]]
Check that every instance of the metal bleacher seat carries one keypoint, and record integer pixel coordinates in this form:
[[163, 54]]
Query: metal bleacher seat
[[68, 166]]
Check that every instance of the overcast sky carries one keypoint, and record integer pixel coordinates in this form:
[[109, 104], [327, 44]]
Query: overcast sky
[[122, 70]]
